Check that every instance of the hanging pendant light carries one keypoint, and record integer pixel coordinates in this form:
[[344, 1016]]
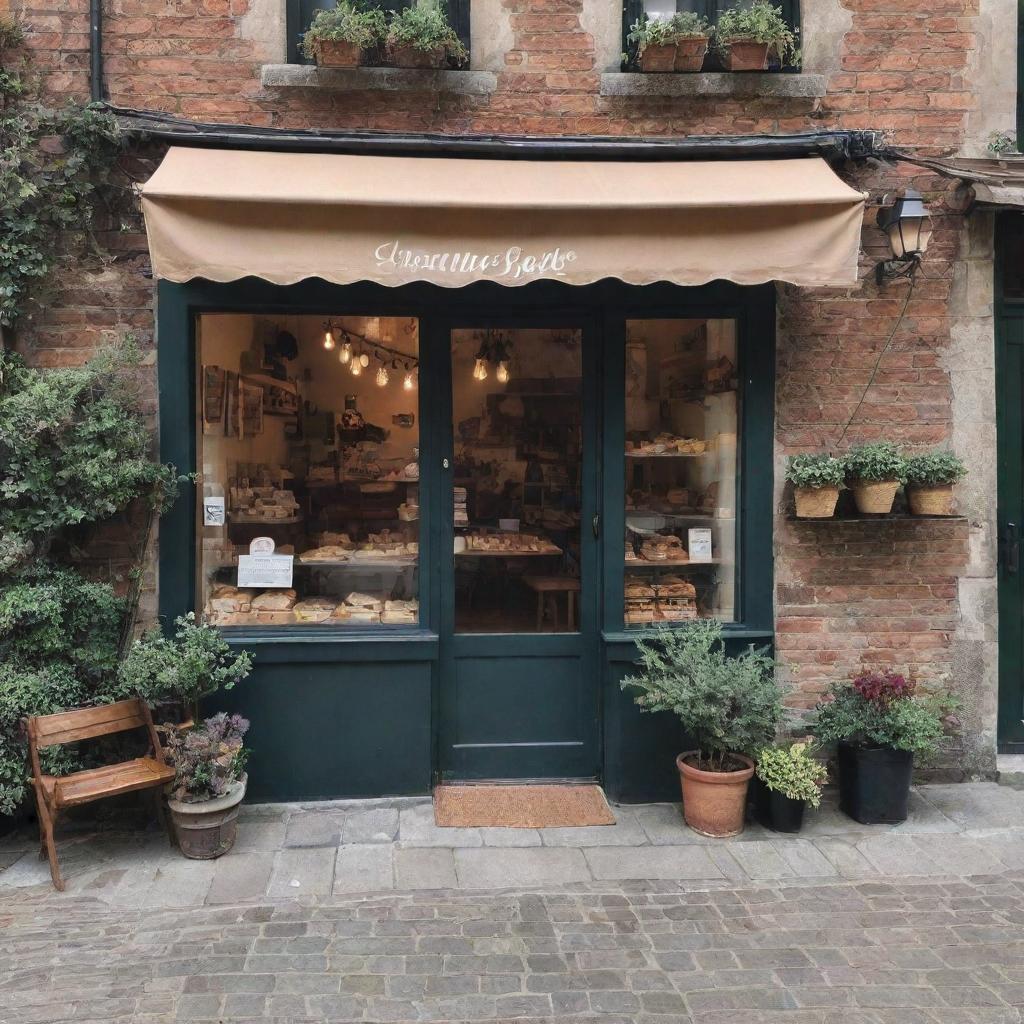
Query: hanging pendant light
[[408, 383], [480, 370], [356, 367], [364, 359], [382, 376], [345, 355], [503, 373], [328, 337]]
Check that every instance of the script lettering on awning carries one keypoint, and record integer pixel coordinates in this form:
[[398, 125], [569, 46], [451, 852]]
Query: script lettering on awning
[[513, 263]]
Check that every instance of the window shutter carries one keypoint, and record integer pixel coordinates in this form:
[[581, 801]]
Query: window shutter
[[458, 15]]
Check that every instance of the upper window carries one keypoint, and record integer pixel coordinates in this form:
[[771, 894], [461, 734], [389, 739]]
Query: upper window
[[301, 13]]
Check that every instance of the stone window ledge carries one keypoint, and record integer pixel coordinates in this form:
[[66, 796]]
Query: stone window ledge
[[712, 84], [306, 76]]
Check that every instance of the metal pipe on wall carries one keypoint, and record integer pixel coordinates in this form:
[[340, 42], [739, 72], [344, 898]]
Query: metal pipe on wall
[[96, 50]]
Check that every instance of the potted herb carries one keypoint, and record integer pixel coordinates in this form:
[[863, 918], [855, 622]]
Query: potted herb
[[341, 37], [746, 34], [880, 724], [930, 479], [421, 37], [209, 784], [679, 43], [874, 473], [787, 780], [816, 480], [728, 706]]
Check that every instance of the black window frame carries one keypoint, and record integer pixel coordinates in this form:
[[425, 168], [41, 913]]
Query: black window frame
[[632, 11], [299, 13]]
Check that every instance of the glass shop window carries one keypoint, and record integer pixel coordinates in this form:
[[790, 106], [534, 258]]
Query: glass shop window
[[682, 414], [308, 493]]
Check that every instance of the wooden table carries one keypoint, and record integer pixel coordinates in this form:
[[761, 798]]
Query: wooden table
[[547, 587]]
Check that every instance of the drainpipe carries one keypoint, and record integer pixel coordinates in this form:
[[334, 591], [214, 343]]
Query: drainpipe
[[96, 50]]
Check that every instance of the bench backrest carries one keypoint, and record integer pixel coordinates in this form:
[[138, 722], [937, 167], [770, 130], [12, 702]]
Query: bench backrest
[[87, 723]]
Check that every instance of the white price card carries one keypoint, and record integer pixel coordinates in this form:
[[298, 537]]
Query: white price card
[[700, 544], [213, 511], [262, 568]]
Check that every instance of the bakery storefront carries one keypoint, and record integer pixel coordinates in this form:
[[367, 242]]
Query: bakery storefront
[[460, 428]]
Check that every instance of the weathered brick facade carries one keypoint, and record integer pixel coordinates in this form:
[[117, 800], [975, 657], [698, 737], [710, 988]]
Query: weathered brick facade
[[912, 595]]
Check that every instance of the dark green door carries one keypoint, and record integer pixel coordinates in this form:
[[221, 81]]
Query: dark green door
[[519, 674]]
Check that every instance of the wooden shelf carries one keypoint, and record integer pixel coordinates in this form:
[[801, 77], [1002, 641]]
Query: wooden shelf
[[888, 518], [644, 563], [266, 381], [666, 455], [238, 520]]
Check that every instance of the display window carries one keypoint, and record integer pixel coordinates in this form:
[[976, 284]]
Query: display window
[[682, 416], [308, 459]]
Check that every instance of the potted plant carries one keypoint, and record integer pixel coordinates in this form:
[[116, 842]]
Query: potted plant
[[209, 784], [930, 479], [746, 34], [874, 473], [679, 43], [880, 724], [817, 480], [421, 37], [729, 706], [786, 781], [340, 37]]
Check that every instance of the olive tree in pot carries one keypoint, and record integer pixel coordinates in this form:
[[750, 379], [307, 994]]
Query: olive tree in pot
[[420, 36], [930, 479], [209, 784], [729, 706], [880, 724], [817, 480], [787, 780], [747, 33], [874, 473], [679, 43], [343, 36]]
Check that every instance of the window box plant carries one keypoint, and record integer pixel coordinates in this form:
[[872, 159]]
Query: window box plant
[[679, 43], [787, 780], [930, 479], [880, 724], [420, 36], [874, 473], [747, 34], [728, 705], [209, 784], [817, 480], [343, 36]]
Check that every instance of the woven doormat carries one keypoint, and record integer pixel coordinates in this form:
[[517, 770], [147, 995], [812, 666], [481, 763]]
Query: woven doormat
[[520, 806]]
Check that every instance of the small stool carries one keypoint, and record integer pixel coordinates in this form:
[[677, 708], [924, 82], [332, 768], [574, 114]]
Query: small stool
[[547, 587]]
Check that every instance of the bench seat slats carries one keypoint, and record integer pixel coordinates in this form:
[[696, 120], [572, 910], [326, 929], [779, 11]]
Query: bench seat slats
[[111, 780]]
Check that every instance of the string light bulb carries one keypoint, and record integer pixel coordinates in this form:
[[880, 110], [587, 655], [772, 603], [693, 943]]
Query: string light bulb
[[408, 383], [382, 377], [502, 373], [356, 367], [480, 370], [364, 359], [345, 354], [328, 338]]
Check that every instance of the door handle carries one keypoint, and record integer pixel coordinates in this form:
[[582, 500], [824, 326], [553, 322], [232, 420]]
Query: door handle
[[1010, 544], [596, 524]]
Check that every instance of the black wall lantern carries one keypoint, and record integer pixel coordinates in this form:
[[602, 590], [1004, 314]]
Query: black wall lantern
[[908, 226]]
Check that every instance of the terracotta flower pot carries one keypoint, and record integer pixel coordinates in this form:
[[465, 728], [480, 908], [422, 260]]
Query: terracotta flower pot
[[936, 500], [337, 53], [414, 57], [815, 502], [714, 802], [658, 59], [746, 55], [205, 829], [875, 497], [690, 53]]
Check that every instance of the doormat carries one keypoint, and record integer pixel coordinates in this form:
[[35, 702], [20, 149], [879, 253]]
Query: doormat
[[520, 806]]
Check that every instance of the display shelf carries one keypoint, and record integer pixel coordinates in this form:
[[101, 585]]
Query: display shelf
[[887, 518], [646, 563], [239, 520], [689, 516], [508, 554], [667, 455], [363, 564], [266, 381]]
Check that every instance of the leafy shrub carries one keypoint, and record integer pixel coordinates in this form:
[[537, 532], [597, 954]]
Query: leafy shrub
[[728, 705], [880, 460], [207, 759], [883, 709], [425, 26], [760, 21], [791, 771], [11, 33], [661, 32], [815, 471], [934, 468], [345, 23]]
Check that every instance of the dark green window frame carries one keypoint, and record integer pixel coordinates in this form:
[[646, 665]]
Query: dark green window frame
[[299, 13]]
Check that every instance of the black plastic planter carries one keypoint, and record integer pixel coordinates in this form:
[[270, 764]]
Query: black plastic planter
[[874, 783], [775, 811]]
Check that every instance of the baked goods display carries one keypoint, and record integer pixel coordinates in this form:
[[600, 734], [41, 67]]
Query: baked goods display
[[229, 606], [262, 504], [511, 544], [667, 444], [668, 599], [664, 549]]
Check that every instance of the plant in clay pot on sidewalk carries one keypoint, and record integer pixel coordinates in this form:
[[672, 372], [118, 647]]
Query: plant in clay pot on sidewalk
[[788, 780], [880, 723], [874, 473], [209, 784], [343, 36], [421, 36], [728, 707], [817, 480], [747, 34], [679, 43], [930, 480]]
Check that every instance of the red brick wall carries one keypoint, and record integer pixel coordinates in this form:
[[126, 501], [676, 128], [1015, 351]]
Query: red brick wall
[[846, 595]]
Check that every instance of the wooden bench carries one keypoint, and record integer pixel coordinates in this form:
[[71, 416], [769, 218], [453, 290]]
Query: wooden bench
[[53, 793]]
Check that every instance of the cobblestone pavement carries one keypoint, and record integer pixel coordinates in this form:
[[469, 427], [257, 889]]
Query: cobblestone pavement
[[369, 912]]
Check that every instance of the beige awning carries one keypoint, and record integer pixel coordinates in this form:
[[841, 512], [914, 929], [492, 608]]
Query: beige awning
[[283, 217]]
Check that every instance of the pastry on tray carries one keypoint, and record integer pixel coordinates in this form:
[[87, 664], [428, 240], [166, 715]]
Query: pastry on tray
[[327, 553], [225, 599], [664, 549], [328, 539], [365, 601], [314, 609], [677, 609], [274, 601], [675, 586], [638, 589], [400, 613]]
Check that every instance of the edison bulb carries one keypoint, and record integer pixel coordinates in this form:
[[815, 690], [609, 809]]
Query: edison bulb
[[356, 367], [382, 377], [345, 355], [408, 383], [480, 370], [502, 373], [364, 359], [328, 340]]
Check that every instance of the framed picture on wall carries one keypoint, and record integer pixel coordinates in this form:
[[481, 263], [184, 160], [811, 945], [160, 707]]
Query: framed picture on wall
[[251, 398], [233, 415], [214, 399]]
